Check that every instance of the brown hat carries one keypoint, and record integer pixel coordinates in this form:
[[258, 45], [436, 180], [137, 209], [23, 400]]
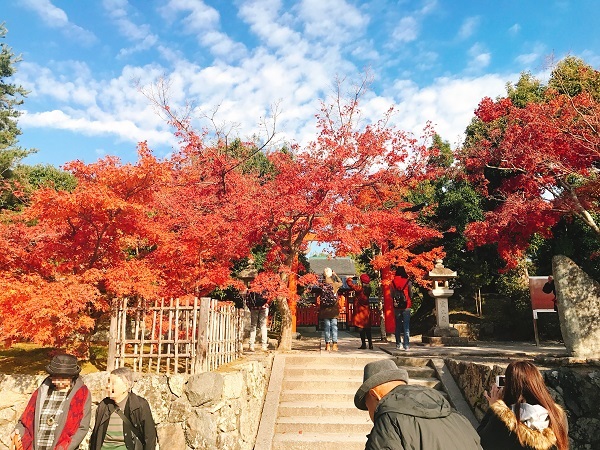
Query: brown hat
[[63, 365], [376, 373]]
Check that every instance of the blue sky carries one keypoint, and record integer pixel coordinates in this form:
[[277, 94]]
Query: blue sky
[[433, 59]]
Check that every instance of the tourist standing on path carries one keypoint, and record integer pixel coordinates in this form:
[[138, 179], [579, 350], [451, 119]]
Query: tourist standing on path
[[259, 313], [362, 310], [410, 417], [550, 288], [123, 420], [58, 414], [402, 299], [533, 421], [329, 308]]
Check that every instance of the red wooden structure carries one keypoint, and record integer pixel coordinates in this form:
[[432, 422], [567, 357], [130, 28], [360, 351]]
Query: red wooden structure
[[309, 316]]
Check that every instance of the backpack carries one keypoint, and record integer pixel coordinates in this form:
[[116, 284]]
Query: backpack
[[399, 297], [254, 300], [328, 297]]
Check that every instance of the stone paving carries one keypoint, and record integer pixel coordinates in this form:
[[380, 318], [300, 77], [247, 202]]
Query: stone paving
[[477, 351]]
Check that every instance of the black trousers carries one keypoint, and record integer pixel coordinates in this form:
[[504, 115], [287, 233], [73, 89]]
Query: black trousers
[[366, 333]]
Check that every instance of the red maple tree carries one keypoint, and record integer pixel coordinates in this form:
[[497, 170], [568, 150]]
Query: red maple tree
[[536, 163], [68, 253]]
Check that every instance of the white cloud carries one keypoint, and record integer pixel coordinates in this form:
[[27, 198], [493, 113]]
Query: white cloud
[[514, 30], [449, 103], [203, 21], [332, 20], [480, 58], [55, 17], [429, 6], [407, 30], [124, 129], [140, 34], [284, 65], [468, 27], [536, 55]]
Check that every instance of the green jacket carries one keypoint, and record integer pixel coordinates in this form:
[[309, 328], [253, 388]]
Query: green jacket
[[419, 418]]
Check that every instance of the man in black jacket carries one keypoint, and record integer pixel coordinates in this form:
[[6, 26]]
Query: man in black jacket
[[123, 418], [410, 417]]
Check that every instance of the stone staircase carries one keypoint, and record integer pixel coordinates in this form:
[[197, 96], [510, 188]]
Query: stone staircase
[[315, 400]]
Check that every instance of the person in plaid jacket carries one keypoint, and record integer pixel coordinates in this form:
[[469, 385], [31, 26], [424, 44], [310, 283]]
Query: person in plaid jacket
[[57, 416]]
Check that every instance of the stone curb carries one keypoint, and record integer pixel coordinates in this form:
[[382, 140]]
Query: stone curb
[[454, 393], [266, 429]]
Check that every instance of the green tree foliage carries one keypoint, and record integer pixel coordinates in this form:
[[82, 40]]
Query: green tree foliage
[[572, 238], [444, 156], [11, 96], [527, 90], [572, 76]]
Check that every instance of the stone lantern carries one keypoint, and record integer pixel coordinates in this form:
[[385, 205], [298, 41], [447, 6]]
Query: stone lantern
[[442, 333]]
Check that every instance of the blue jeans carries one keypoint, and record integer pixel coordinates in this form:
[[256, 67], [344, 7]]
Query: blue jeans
[[402, 326], [331, 330]]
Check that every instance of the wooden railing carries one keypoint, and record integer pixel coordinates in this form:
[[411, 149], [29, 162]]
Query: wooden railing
[[176, 336]]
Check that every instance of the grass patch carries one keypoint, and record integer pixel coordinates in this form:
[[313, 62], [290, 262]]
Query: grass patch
[[32, 359]]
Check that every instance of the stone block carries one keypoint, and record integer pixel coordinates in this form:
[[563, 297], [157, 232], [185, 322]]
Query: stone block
[[578, 308], [97, 383], [22, 384], [233, 385], [201, 430], [177, 383], [228, 417], [171, 436], [447, 341], [179, 410], [9, 399], [204, 388], [155, 389], [229, 441], [443, 332]]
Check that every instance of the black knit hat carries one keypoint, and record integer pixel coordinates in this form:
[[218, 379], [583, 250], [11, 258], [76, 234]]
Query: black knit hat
[[63, 365]]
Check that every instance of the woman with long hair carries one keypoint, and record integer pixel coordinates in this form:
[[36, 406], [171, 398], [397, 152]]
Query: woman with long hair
[[522, 414]]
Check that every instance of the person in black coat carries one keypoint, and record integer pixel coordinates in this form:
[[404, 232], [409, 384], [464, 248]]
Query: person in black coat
[[123, 418]]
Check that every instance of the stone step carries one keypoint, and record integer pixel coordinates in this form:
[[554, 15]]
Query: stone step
[[333, 359], [298, 395], [350, 372], [320, 408], [327, 384], [319, 441], [325, 424]]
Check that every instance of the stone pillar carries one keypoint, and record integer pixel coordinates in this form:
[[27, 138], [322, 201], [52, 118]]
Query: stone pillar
[[442, 333], [578, 298], [441, 312]]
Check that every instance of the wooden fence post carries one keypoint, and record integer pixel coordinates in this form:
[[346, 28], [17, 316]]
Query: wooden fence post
[[112, 336], [202, 344]]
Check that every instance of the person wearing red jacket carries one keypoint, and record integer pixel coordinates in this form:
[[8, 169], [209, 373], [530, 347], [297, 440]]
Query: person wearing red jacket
[[400, 282], [57, 416], [362, 311]]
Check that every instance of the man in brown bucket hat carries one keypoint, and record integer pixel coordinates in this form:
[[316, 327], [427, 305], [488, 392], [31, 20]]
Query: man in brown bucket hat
[[408, 416]]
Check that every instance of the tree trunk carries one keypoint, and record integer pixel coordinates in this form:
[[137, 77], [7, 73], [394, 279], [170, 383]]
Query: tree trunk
[[287, 306], [285, 343]]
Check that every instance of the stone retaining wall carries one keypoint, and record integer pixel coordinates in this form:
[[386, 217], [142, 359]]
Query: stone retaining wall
[[576, 387], [213, 410]]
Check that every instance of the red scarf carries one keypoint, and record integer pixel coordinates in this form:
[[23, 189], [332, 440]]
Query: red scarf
[[75, 414]]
